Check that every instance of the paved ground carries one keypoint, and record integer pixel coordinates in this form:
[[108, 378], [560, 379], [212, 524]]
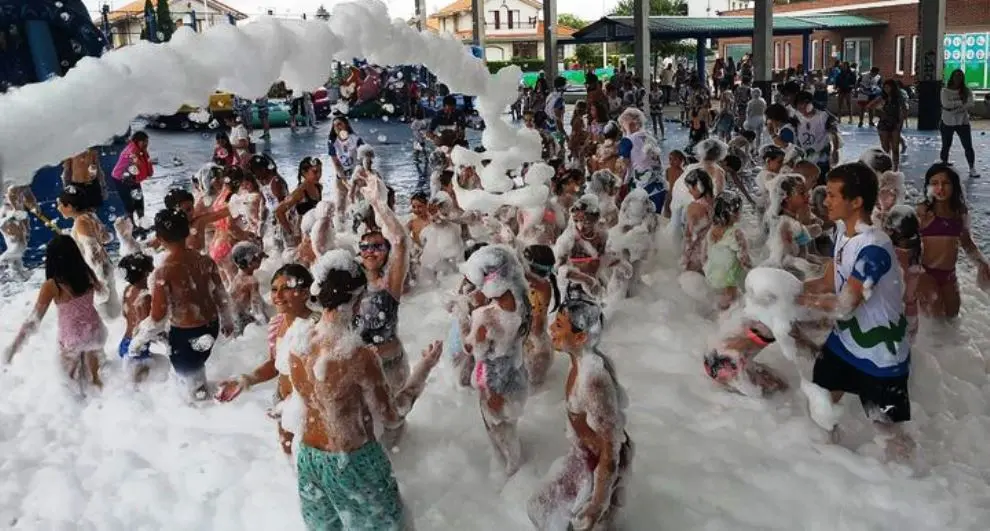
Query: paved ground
[[393, 145]]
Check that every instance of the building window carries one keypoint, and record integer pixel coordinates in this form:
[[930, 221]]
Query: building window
[[514, 15], [787, 55], [497, 15], [914, 55], [814, 55], [826, 54], [899, 55], [859, 51], [776, 56]]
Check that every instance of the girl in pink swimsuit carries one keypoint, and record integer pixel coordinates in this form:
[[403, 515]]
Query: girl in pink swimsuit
[[944, 218], [70, 283]]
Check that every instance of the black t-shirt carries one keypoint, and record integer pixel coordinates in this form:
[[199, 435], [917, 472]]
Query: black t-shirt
[[444, 121]]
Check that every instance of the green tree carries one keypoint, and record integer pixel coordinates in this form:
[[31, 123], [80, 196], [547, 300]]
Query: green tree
[[586, 54], [658, 49], [571, 21], [166, 26], [322, 13]]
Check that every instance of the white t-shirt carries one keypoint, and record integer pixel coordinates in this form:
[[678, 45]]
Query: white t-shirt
[[874, 338], [237, 134]]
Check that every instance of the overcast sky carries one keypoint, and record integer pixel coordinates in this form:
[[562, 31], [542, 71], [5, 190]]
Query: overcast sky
[[586, 9]]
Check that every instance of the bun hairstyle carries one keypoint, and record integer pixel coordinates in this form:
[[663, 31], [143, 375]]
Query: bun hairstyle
[[337, 279]]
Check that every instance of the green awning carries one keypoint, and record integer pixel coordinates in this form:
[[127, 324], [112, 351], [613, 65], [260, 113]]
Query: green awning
[[670, 28]]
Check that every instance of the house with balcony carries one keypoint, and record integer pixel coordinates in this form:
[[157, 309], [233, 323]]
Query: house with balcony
[[127, 22], [513, 28]]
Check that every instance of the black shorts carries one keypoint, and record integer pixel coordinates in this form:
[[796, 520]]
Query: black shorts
[[131, 196], [883, 399], [190, 347]]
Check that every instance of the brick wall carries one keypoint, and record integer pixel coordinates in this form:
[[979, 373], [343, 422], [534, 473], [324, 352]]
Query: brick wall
[[961, 16]]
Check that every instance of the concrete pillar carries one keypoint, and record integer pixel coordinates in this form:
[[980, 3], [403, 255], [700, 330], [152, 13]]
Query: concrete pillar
[[763, 46], [931, 30], [477, 24], [806, 54], [421, 15], [699, 58], [550, 40], [641, 42]]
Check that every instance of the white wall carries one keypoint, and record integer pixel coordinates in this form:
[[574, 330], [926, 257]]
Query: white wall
[[520, 25]]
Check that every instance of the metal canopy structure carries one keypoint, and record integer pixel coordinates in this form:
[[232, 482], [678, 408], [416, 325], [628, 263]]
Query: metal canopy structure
[[667, 28]]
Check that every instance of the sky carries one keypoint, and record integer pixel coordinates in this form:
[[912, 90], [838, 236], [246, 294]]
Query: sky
[[586, 9]]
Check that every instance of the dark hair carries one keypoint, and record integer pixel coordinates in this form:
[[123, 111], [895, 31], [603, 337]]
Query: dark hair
[[171, 226], [449, 101], [419, 196], [749, 135], [895, 91], [699, 176], [234, 176], [137, 267], [601, 111], [541, 261], [727, 205], [64, 263], [559, 82], [771, 151], [804, 97], [74, 196], [906, 234], [306, 164], [244, 253], [445, 178], [956, 201], [176, 197], [733, 162], [261, 162], [779, 113], [297, 272], [787, 184], [679, 154], [333, 130], [224, 139], [139, 136], [338, 287], [964, 92], [858, 180]]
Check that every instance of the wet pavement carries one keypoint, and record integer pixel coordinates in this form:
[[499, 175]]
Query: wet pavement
[[393, 145]]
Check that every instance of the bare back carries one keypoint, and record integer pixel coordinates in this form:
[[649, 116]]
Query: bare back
[[191, 281]]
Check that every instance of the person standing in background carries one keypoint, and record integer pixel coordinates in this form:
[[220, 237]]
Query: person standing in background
[[957, 99]]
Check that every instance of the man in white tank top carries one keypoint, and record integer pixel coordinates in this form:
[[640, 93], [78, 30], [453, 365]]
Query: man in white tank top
[[818, 133]]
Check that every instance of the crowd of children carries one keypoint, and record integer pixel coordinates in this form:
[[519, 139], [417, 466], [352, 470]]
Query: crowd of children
[[536, 277]]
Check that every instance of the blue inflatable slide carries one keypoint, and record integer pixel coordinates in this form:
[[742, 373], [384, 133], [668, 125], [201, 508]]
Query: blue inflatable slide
[[40, 39]]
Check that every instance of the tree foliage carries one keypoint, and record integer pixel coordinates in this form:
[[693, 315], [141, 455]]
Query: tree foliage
[[163, 16], [571, 21], [626, 8], [322, 13]]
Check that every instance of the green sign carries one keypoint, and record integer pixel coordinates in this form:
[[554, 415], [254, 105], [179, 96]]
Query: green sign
[[969, 52], [573, 77]]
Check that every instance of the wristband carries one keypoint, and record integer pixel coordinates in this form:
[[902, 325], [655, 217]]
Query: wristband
[[756, 338]]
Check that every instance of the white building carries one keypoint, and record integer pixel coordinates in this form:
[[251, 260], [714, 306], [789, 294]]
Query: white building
[[513, 28], [126, 23]]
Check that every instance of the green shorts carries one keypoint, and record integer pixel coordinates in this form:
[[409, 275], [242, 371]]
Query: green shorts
[[348, 491]]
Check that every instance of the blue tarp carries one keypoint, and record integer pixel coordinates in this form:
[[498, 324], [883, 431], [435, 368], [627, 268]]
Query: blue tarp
[[43, 39]]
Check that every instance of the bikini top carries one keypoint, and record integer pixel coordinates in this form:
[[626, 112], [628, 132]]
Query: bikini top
[[942, 226], [308, 203], [377, 318]]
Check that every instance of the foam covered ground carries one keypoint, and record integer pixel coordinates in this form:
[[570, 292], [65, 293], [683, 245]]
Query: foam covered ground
[[705, 459]]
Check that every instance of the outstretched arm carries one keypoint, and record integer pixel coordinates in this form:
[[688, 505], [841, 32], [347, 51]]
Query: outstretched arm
[[45, 297]]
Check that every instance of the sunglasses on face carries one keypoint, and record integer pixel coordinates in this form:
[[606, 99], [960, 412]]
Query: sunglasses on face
[[373, 247]]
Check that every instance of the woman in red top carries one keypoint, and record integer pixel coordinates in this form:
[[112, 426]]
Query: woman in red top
[[132, 168]]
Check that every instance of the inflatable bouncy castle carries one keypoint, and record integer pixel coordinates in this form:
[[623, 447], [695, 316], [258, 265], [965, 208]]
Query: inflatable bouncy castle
[[41, 39]]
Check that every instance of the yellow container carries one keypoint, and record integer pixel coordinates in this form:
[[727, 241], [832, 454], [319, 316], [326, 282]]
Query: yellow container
[[221, 101]]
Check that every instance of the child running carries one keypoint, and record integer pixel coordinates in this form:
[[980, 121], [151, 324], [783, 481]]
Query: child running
[[70, 284], [187, 288]]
